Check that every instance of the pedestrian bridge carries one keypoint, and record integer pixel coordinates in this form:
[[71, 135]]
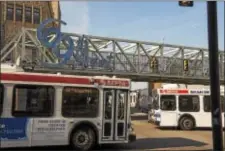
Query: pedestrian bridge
[[93, 55]]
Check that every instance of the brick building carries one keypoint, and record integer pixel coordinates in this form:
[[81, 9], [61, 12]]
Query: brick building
[[17, 14]]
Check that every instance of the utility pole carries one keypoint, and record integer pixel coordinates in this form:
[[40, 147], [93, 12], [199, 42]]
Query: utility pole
[[224, 56], [217, 132]]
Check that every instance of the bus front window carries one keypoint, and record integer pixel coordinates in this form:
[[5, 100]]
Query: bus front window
[[168, 102]]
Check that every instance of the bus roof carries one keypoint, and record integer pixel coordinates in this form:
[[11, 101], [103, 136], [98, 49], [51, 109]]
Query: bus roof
[[65, 79]]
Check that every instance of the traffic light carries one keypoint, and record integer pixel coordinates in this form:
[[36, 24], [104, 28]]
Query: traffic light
[[185, 65], [186, 3], [154, 63]]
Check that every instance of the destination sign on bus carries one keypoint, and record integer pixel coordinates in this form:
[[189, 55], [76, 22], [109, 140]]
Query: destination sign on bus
[[199, 91], [184, 91], [113, 82], [174, 91]]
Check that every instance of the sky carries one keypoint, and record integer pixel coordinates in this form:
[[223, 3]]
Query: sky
[[148, 21]]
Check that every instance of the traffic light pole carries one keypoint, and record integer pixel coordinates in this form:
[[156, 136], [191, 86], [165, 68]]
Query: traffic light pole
[[217, 131]]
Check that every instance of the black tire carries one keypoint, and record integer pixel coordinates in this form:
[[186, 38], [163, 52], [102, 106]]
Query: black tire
[[186, 123], [83, 139]]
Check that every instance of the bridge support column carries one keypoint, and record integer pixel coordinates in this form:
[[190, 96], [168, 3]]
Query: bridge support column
[[152, 86]]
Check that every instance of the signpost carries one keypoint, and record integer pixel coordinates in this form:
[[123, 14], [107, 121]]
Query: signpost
[[214, 72], [214, 76]]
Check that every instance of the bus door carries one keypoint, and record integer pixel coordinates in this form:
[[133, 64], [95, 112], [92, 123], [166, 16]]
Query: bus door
[[115, 115], [168, 115]]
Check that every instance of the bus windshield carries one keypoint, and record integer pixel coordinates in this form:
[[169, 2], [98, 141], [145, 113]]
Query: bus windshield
[[167, 102]]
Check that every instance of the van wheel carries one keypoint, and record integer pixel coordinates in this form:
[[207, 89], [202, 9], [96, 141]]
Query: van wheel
[[186, 123], [83, 139]]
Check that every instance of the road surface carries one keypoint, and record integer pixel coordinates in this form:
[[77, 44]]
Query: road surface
[[152, 138]]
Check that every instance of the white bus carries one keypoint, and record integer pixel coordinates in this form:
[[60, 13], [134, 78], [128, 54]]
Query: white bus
[[182, 108], [53, 109]]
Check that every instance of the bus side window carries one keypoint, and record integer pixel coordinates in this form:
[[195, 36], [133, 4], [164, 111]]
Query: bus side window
[[207, 103], [189, 103], [80, 102], [1, 98], [168, 102], [33, 101]]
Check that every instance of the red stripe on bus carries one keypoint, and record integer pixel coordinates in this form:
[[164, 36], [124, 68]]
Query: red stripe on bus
[[182, 91], [174, 91], [43, 78], [59, 79]]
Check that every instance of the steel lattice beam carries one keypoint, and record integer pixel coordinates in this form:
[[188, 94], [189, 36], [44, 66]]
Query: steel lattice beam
[[128, 58]]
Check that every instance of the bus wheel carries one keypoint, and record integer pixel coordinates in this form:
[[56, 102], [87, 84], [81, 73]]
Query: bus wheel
[[83, 139], [186, 123]]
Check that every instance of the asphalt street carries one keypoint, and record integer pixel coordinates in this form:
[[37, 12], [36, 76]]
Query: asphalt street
[[150, 137]]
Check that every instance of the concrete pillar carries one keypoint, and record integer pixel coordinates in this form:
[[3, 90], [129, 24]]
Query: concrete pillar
[[150, 87], [157, 85]]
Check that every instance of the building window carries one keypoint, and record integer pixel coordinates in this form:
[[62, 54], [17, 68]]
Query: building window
[[28, 14], [189, 103], [10, 12], [80, 102], [37, 16], [1, 97], [33, 100], [168, 102], [19, 13]]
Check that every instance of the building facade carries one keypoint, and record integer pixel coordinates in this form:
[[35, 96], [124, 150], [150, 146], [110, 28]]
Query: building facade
[[17, 14]]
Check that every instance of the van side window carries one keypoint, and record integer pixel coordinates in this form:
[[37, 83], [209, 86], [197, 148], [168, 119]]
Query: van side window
[[207, 103], [1, 98], [80, 102], [33, 100], [189, 103], [168, 102]]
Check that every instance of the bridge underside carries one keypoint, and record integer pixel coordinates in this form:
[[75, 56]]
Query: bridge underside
[[111, 56]]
